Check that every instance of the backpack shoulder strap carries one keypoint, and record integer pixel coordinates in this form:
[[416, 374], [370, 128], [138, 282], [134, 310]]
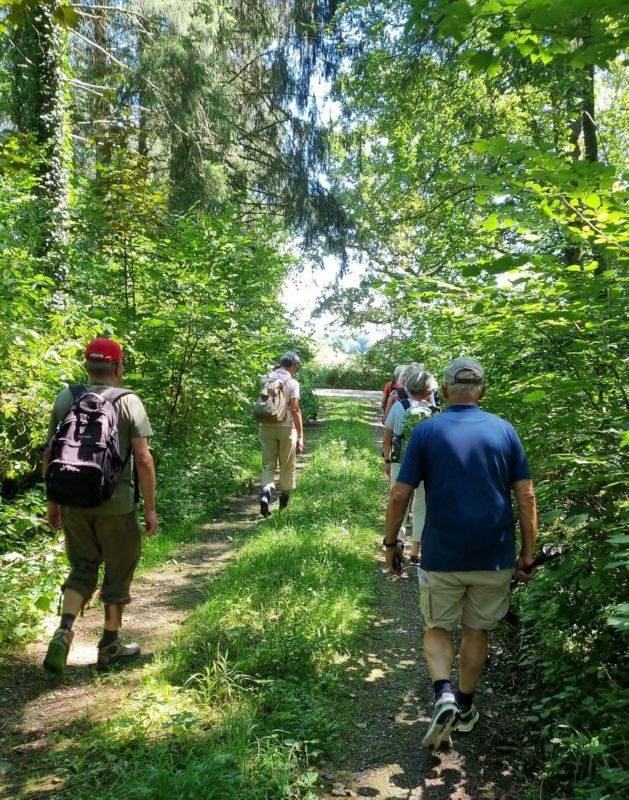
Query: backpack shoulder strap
[[434, 410], [114, 394], [406, 403], [78, 390]]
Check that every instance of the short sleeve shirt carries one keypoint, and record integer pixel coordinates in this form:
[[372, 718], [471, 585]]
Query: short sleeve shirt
[[468, 460], [395, 417], [132, 423], [291, 390]]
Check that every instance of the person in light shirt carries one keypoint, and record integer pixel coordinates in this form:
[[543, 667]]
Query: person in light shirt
[[281, 442]]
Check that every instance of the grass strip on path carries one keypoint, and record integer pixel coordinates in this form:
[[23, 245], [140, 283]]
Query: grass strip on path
[[242, 705]]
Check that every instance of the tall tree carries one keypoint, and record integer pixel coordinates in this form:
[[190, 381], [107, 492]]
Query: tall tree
[[39, 52]]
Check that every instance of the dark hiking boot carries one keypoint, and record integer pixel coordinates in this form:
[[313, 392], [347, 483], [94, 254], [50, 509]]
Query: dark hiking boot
[[117, 653], [444, 718], [265, 503], [58, 649], [284, 498]]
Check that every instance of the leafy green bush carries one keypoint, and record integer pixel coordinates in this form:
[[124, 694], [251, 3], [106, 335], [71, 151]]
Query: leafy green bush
[[354, 374], [310, 404], [192, 299]]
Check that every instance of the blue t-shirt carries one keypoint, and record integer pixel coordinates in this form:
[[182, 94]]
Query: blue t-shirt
[[468, 460]]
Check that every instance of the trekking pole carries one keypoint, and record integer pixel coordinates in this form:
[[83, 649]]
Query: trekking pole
[[549, 553]]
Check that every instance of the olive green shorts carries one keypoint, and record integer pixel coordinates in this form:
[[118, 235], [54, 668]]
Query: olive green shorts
[[92, 540], [477, 599]]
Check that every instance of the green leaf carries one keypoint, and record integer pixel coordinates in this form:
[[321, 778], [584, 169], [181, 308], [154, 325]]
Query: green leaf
[[550, 516], [620, 617], [592, 201], [534, 396], [44, 603], [576, 520], [65, 16]]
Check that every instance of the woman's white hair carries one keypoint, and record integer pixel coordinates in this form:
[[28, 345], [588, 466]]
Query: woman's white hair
[[418, 381], [398, 371]]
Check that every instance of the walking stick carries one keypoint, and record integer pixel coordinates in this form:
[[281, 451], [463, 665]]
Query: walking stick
[[550, 552]]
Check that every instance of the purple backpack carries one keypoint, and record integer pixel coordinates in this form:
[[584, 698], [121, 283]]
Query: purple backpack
[[85, 462]]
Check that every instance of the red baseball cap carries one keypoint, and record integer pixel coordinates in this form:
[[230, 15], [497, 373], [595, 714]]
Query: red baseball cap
[[103, 351]]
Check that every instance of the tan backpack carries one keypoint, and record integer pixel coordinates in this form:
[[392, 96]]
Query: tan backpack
[[272, 405]]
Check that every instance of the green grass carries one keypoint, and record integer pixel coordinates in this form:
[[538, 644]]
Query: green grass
[[242, 705], [200, 497]]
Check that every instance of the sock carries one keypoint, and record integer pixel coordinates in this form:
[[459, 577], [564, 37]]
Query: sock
[[67, 620], [441, 688], [464, 700], [109, 637]]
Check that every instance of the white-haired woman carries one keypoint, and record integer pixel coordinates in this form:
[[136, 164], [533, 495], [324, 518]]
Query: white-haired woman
[[404, 415]]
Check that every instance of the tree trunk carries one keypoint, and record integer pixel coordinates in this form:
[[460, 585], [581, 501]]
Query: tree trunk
[[583, 126], [103, 107], [143, 127], [39, 51], [590, 139]]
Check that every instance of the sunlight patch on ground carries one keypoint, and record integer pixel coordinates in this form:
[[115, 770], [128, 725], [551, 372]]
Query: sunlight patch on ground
[[376, 674]]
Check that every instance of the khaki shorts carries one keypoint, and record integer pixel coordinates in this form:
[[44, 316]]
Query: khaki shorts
[[477, 599], [92, 540]]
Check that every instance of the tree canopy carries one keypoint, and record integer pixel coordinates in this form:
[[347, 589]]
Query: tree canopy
[[164, 165]]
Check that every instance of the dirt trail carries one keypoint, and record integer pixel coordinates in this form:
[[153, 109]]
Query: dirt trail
[[392, 693], [393, 696], [35, 705], [390, 687]]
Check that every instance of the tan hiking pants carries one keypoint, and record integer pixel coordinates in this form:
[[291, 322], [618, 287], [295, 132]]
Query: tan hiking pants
[[278, 445], [418, 506]]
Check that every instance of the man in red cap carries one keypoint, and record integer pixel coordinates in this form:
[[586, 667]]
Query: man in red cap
[[107, 533]]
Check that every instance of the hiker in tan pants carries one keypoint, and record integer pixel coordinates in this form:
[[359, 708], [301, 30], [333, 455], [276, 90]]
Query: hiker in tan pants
[[282, 441]]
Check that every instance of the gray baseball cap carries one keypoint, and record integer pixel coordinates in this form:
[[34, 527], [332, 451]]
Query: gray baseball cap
[[464, 370]]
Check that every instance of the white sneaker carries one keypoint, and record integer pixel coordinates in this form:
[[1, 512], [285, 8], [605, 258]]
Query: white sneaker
[[444, 717]]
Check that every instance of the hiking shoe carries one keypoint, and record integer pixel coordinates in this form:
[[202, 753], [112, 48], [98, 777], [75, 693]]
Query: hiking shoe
[[58, 650], [116, 653], [444, 717], [284, 498], [467, 719], [265, 503]]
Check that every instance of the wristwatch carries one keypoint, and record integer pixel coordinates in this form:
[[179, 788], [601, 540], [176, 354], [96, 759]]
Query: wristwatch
[[387, 460]]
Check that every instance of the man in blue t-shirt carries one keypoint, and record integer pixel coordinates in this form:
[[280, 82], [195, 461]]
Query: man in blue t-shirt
[[469, 461]]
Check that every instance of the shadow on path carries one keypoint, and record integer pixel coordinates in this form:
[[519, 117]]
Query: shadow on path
[[37, 709]]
